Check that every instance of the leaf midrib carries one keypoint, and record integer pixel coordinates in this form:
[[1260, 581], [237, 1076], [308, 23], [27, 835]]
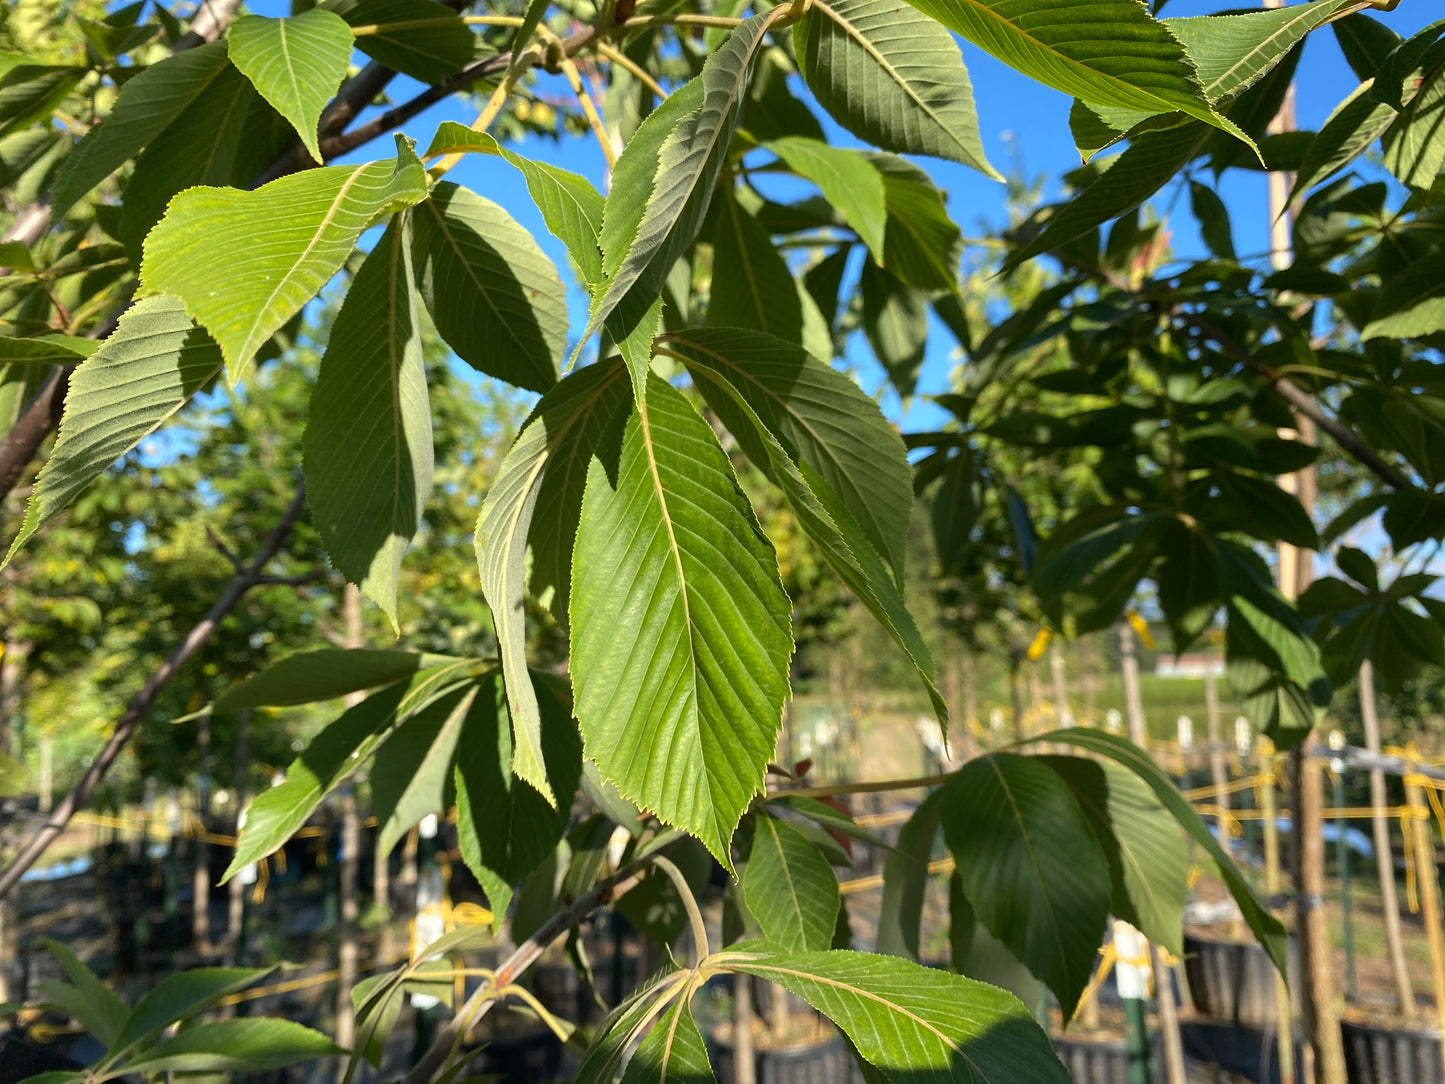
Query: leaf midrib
[[1306, 10]]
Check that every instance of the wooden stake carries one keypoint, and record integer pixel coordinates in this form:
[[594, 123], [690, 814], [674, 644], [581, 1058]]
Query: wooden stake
[[1429, 888], [1384, 852]]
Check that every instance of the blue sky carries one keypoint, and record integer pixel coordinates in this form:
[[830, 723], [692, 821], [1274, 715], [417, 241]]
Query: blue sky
[[1024, 127]]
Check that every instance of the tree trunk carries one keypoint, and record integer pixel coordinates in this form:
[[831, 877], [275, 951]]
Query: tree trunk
[[1384, 852], [1062, 712], [1163, 986], [347, 954], [201, 851], [1216, 751], [236, 904]]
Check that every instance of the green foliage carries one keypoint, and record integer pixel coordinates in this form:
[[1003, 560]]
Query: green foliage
[[297, 64]]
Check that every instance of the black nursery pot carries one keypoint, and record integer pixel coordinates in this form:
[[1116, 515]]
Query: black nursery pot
[[1391, 1054], [1231, 980], [1100, 1060], [827, 1061]]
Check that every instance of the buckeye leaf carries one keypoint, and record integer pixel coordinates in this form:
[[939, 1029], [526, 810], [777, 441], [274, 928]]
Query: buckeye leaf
[[244, 1045], [1148, 865], [680, 626], [752, 285], [790, 887], [821, 417], [295, 63], [493, 293], [891, 76], [367, 453], [922, 244], [418, 38], [1107, 52], [913, 1023], [46, 350], [324, 674], [1346, 134], [149, 367], [246, 262], [640, 244], [905, 881], [825, 520], [849, 182], [1412, 304], [505, 826], [414, 763], [1031, 866], [895, 321], [95, 1005], [181, 995], [547, 465], [672, 1053], [1266, 926], [146, 105], [570, 206]]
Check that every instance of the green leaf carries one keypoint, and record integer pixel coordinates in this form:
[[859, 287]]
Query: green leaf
[[100, 1011], [412, 766], [1107, 52], [146, 105], [640, 243], [546, 467], [13, 778], [243, 289], [325, 674], [1031, 866], [672, 1052], [922, 244], [296, 64], [1148, 864], [848, 180], [905, 881], [917, 1024], [1145, 167], [892, 77], [895, 320], [149, 367], [1366, 42], [1213, 218], [698, 673], [570, 206], [1266, 926], [29, 93], [183, 995], [505, 826], [616, 1034], [1414, 144], [418, 38], [245, 1045], [752, 285], [825, 520], [367, 452], [1233, 52], [789, 887], [1347, 133], [46, 350], [821, 417], [492, 292], [1412, 303]]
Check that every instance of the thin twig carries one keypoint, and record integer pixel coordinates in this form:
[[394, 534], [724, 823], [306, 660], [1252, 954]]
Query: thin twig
[[643, 76], [689, 902], [41, 416], [1301, 400], [144, 700], [451, 1035]]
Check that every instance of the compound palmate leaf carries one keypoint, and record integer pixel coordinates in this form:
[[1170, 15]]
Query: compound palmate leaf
[[681, 632], [368, 447], [892, 76], [295, 63], [790, 888], [149, 367], [246, 262], [913, 1024]]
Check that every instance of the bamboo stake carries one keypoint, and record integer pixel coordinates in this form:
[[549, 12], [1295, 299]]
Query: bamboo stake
[[1429, 889]]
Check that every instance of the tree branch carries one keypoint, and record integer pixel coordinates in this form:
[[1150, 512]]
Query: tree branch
[[144, 700], [29, 431], [1302, 401], [483, 997]]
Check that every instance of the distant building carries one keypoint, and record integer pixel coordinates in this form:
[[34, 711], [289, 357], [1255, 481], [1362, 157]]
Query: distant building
[[1189, 666]]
